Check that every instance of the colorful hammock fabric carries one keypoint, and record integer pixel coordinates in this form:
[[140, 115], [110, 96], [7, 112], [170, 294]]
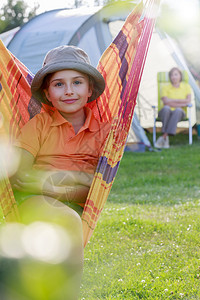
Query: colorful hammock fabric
[[122, 66]]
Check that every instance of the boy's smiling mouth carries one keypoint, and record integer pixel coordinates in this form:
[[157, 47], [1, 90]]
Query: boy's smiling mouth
[[69, 101]]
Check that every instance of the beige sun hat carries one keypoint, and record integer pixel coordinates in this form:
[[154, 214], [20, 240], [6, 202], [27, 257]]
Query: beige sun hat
[[71, 58]]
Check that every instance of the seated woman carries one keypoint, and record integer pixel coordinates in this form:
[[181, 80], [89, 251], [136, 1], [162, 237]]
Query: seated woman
[[175, 96]]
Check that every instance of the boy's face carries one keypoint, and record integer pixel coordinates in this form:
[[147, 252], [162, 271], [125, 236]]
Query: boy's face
[[68, 91]]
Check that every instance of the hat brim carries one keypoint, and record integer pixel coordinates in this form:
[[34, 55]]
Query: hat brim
[[99, 82]]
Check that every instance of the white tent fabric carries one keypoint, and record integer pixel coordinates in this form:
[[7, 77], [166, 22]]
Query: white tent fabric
[[137, 133], [7, 36]]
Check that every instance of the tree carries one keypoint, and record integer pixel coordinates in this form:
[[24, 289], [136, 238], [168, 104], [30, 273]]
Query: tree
[[77, 3], [14, 14]]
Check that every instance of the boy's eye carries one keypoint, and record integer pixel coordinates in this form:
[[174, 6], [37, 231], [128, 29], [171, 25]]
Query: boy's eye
[[77, 82], [58, 84]]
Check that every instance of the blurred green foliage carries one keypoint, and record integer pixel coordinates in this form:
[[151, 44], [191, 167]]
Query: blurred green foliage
[[14, 14]]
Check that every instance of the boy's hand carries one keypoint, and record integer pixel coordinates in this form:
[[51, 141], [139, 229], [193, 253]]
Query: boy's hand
[[64, 186], [27, 183], [61, 185]]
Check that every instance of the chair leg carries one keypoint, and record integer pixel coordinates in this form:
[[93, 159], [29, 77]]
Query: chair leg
[[190, 126], [154, 134]]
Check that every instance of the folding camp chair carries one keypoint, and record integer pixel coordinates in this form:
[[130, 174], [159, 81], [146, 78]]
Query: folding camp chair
[[162, 80]]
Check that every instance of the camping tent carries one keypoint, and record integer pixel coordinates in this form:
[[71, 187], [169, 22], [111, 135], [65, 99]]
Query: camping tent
[[93, 29], [7, 36], [85, 27]]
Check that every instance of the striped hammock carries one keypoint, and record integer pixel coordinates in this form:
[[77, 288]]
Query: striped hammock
[[122, 66]]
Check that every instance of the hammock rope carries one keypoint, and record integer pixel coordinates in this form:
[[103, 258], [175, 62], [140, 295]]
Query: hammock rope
[[121, 65], [126, 57]]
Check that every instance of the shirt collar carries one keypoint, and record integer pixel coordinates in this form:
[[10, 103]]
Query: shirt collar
[[57, 119], [181, 83], [90, 123]]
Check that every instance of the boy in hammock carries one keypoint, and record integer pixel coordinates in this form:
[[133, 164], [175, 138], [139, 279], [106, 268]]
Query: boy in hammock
[[59, 151], [67, 143]]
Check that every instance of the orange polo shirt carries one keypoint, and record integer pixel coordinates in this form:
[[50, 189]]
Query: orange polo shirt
[[52, 141]]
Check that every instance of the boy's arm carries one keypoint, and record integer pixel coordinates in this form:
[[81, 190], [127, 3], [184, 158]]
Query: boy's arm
[[27, 179], [63, 185]]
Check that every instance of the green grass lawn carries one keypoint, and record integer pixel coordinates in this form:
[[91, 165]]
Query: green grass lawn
[[147, 242]]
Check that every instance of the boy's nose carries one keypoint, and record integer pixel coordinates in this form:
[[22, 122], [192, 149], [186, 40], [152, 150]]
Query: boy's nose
[[69, 89]]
